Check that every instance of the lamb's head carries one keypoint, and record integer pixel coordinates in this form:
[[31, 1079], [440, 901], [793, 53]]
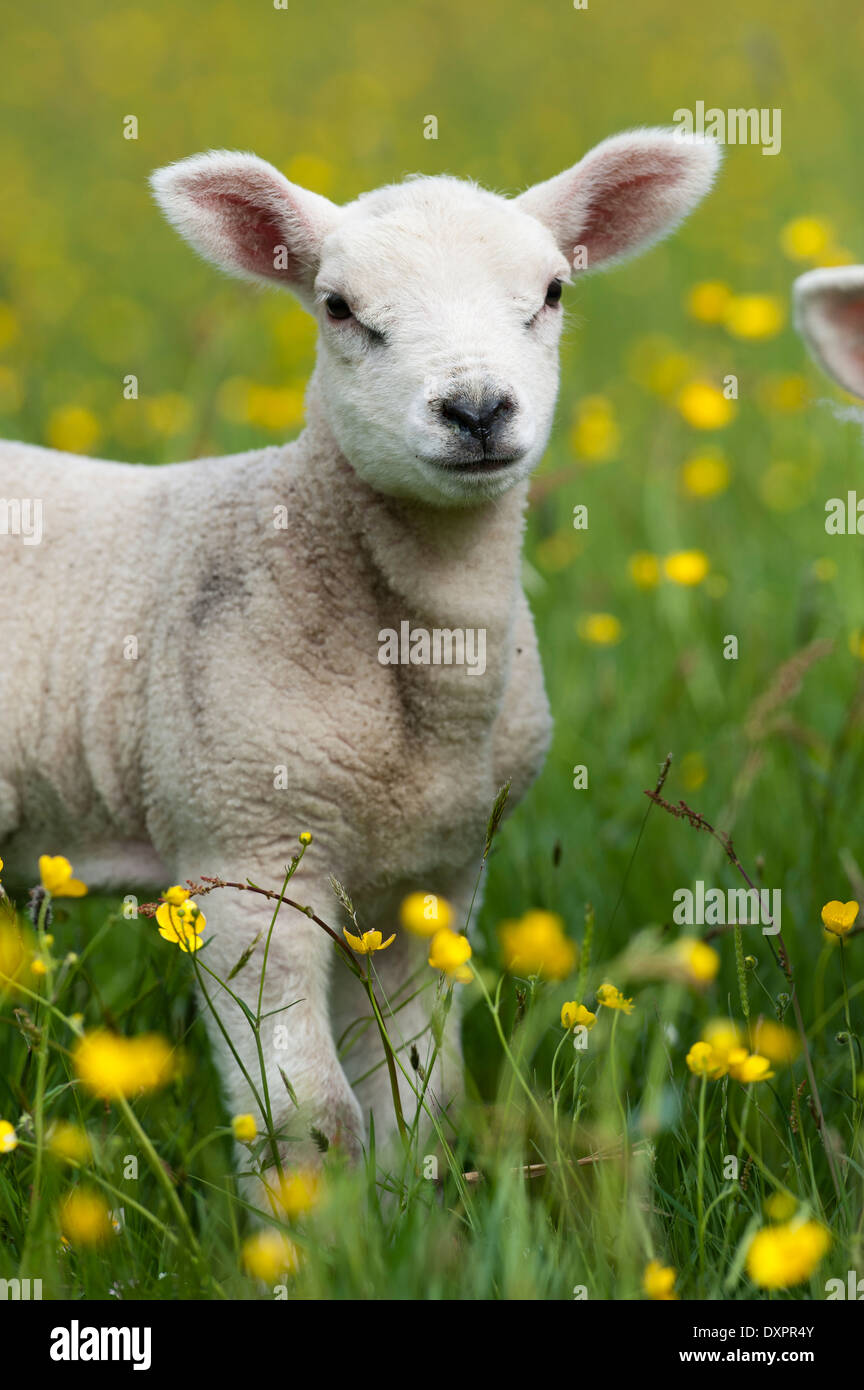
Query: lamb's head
[[438, 303], [829, 315]]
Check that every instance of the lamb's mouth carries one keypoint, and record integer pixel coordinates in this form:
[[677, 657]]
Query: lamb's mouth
[[481, 467]]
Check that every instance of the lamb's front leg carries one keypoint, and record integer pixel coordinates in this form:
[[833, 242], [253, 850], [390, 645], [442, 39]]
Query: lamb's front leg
[[428, 1059], [296, 1039], [410, 993]]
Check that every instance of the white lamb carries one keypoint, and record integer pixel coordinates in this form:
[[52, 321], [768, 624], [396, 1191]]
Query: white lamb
[[258, 647]]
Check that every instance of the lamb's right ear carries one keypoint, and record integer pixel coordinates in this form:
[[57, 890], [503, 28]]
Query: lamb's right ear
[[244, 216], [829, 315], [625, 194]]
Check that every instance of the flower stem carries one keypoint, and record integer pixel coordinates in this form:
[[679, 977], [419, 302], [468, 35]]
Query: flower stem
[[849, 1034], [700, 1182], [41, 1073], [493, 1009], [289, 874], [137, 1131], [391, 1065], [262, 1101]]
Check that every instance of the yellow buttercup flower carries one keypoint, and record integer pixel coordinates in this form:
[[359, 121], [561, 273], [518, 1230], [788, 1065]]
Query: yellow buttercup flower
[[559, 550], [425, 913], [780, 1206], [839, 918], [658, 1282], [705, 475], [268, 1255], [368, 942], [8, 1137], [704, 406], [612, 998], [15, 950], [707, 301], [782, 1256], [693, 771], [779, 1044], [658, 365], [110, 1065], [85, 1218], [180, 920], [806, 238], [786, 394], [747, 1067], [666, 375], [70, 1142], [274, 407], [305, 837], [644, 569], [575, 1015], [299, 1191], [699, 960], [177, 895], [686, 567], [755, 316], [170, 414], [56, 875], [73, 429], [601, 629], [595, 435], [724, 1036], [703, 1060], [448, 951], [536, 945], [245, 1128]]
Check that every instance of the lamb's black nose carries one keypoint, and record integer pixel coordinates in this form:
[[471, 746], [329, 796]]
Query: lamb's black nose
[[476, 418]]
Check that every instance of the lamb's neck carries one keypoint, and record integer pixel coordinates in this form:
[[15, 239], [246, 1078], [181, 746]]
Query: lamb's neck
[[457, 566]]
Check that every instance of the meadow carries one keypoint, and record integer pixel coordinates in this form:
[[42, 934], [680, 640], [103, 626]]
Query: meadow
[[660, 1160]]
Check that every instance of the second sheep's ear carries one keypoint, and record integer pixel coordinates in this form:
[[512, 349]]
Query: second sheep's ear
[[244, 216], [624, 195], [829, 315]]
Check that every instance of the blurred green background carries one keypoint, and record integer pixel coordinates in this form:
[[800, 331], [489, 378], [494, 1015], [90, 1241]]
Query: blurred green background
[[94, 286]]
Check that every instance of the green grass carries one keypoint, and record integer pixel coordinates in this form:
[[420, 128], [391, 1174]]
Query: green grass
[[96, 288]]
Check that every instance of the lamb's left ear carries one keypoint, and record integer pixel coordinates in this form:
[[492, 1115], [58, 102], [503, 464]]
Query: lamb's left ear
[[625, 194], [244, 216], [829, 315]]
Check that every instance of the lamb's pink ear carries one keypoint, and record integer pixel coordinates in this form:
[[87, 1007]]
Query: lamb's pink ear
[[244, 216], [625, 194], [829, 315]]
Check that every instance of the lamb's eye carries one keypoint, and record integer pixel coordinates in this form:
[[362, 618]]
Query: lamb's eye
[[553, 294], [336, 307]]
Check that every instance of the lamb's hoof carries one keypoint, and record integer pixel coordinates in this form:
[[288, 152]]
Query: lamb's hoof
[[319, 1137]]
